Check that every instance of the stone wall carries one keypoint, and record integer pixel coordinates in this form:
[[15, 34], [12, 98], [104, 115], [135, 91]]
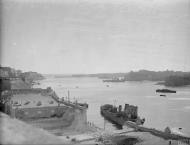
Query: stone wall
[[80, 119], [29, 91], [39, 112], [47, 117]]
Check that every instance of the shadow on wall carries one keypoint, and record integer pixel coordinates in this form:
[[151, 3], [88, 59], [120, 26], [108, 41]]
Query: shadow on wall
[[79, 119]]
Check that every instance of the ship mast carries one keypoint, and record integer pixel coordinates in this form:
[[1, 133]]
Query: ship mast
[[68, 96]]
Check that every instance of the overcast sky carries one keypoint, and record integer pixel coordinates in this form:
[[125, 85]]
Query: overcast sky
[[91, 36]]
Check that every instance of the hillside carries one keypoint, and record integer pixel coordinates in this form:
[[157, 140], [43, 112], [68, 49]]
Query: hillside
[[152, 75], [167, 78], [176, 81]]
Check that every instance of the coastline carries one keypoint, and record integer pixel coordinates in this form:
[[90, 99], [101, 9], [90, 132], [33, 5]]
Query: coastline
[[77, 132]]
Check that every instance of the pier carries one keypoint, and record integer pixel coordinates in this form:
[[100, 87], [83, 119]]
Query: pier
[[156, 132]]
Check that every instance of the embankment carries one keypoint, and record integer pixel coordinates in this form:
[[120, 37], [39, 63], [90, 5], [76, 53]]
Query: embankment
[[14, 131]]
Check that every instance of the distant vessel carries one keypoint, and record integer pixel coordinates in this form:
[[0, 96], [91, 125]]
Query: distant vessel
[[165, 91], [117, 79], [118, 116], [163, 95]]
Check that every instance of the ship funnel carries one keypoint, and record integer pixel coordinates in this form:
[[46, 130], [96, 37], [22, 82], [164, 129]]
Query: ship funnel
[[120, 108], [126, 106]]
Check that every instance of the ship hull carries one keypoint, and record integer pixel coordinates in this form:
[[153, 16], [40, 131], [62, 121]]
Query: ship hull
[[111, 116], [117, 118]]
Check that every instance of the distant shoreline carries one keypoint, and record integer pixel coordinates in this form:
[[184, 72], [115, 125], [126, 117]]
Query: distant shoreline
[[167, 78]]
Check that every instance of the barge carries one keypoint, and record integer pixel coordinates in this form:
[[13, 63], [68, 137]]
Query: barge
[[165, 91]]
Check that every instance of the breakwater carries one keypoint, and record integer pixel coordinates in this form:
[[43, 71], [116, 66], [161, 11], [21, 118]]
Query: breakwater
[[159, 133]]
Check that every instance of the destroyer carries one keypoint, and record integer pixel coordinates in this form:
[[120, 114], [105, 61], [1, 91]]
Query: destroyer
[[118, 116]]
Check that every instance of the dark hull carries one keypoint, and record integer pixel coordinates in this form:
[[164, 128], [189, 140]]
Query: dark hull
[[165, 91], [115, 81], [111, 116], [114, 117]]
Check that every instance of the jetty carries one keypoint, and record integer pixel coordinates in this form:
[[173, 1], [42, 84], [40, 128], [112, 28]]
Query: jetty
[[167, 134]]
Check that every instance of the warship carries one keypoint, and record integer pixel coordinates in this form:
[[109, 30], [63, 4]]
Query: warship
[[115, 79], [119, 117]]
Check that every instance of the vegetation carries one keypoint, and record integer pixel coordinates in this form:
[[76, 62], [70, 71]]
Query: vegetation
[[151, 75], [176, 81], [168, 78]]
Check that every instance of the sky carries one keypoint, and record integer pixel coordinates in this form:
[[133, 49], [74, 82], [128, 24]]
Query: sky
[[95, 36]]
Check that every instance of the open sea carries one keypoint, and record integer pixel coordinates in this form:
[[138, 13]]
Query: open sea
[[159, 112]]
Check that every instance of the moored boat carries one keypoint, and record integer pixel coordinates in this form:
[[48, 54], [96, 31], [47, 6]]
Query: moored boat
[[165, 91], [118, 116]]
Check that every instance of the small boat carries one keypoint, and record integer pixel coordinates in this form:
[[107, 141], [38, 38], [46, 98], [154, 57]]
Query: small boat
[[163, 95], [114, 80], [118, 116]]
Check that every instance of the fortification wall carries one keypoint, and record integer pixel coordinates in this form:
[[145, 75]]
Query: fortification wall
[[47, 91], [39, 112], [80, 119], [54, 122], [47, 117], [72, 119], [51, 117], [29, 91]]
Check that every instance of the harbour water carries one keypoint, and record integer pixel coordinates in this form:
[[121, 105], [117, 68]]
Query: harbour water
[[159, 112]]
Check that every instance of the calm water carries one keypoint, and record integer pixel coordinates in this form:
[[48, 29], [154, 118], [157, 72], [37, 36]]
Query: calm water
[[159, 112]]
